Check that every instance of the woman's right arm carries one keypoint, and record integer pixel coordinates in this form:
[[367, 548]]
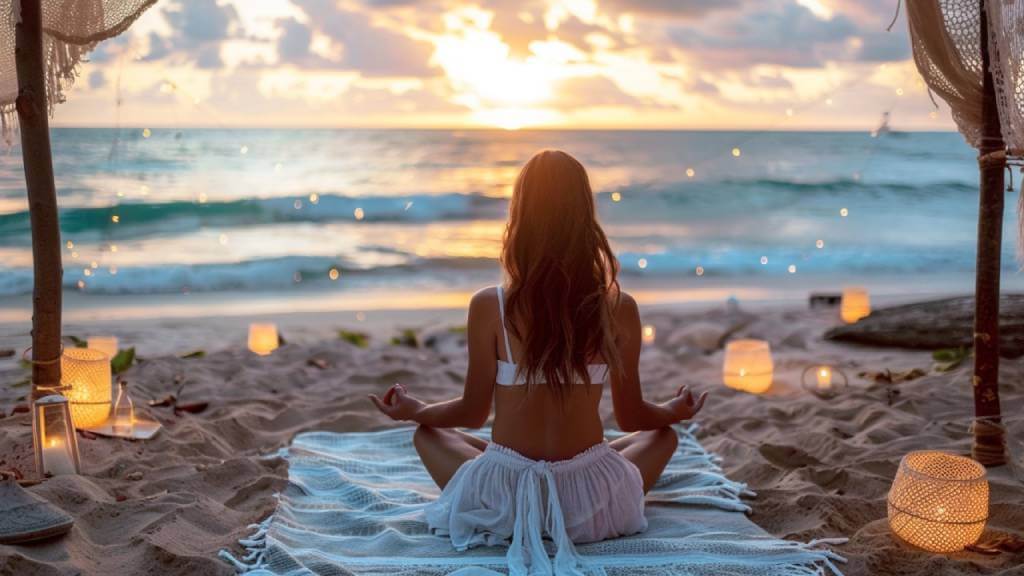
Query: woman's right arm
[[632, 412]]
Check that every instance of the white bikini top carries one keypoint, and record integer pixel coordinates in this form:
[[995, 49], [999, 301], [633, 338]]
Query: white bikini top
[[507, 370]]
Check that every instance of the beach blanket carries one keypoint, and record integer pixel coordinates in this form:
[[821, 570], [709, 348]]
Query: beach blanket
[[354, 502]]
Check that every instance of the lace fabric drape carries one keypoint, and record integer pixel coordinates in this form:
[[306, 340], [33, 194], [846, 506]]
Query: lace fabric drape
[[71, 29], [946, 40]]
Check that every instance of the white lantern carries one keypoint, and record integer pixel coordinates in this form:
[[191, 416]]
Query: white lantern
[[53, 437], [748, 366], [263, 338], [856, 304]]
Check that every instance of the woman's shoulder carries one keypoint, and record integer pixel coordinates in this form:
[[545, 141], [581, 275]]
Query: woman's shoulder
[[484, 302], [626, 307]]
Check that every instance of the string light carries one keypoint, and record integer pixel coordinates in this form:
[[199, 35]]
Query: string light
[[87, 272], [736, 152], [360, 316], [144, 190], [223, 239], [844, 212], [792, 268], [642, 263], [243, 150], [690, 173], [146, 133], [74, 254], [202, 198], [899, 91], [820, 244], [94, 265], [333, 274], [69, 244], [700, 270], [764, 260], [113, 247], [115, 218], [314, 198], [616, 197], [297, 204], [358, 213], [81, 284], [408, 205], [113, 270]]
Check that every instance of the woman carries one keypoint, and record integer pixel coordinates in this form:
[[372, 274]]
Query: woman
[[550, 339]]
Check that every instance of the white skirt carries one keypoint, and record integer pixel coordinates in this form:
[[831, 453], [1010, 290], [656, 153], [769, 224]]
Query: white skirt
[[503, 498]]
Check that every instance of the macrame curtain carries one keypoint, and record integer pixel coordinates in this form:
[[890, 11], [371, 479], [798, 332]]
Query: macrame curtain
[[71, 28], [946, 36]]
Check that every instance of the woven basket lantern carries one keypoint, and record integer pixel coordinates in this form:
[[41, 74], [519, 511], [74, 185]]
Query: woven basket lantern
[[86, 373], [938, 501]]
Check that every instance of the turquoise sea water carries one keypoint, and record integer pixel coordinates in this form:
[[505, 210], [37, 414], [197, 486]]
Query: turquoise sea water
[[261, 211]]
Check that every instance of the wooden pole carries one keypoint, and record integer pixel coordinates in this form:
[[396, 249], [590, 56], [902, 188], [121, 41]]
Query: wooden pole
[[989, 440], [42, 197]]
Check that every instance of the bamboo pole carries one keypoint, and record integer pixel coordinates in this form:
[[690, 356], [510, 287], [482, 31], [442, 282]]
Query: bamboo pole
[[988, 448], [42, 197]]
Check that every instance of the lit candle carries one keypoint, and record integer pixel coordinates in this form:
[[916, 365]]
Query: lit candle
[[824, 375], [649, 334], [856, 304], [56, 459], [748, 366], [263, 338], [105, 344]]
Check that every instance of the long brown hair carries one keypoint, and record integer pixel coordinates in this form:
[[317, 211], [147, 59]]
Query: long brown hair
[[561, 273]]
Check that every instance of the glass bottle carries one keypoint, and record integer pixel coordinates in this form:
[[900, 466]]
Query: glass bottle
[[124, 412]]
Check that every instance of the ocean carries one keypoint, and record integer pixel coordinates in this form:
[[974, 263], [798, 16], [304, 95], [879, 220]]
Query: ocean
[[323, 214]]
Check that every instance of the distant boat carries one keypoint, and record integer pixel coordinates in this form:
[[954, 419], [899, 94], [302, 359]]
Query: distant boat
[[884, 129]]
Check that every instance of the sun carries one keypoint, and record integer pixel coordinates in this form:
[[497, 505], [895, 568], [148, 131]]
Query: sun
[[500, 89]]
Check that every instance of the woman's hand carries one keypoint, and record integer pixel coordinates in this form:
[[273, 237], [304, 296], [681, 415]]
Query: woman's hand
[[397, 403], [683, 406]]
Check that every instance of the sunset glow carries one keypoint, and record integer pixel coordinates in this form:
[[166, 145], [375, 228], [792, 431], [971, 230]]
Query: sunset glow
[[778, 64]]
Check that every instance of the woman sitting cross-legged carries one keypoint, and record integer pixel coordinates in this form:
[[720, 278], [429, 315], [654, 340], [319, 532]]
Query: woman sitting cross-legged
[[541, 347]]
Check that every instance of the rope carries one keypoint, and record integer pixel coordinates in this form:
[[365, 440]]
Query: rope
[[33, 361]]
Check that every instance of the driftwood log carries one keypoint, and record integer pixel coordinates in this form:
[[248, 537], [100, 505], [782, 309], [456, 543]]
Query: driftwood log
[[947, 323]]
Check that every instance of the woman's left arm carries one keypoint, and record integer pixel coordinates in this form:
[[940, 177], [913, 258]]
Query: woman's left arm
[[472, 409]]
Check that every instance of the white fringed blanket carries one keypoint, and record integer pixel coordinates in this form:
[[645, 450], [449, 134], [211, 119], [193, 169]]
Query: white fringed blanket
[[354, 502]]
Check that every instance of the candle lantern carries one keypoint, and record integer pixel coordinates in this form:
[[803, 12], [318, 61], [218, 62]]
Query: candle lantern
[[938, 501], [86, 375], [748, 366], [856, 304], [649, 333], [106, 344], [53, 437], [263, 338], [823, 380]]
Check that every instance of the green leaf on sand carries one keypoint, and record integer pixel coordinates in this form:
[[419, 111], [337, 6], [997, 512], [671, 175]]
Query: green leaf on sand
[[406, 338], [949, 358], [78, 342], [360, 339], [194, 354], [123, 360]]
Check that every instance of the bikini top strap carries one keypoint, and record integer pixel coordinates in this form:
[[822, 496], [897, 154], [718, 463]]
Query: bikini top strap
[[504, 330]]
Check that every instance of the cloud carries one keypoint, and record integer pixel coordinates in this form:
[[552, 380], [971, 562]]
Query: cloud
[[367, 48], [198, 28], [97, 79], [679, 8], [592, 92]]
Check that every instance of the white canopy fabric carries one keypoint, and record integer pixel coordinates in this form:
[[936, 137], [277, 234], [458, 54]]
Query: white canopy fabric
[[71, 28], [946, 36]]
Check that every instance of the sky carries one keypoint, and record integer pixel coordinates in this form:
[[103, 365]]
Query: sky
[[624, 64]]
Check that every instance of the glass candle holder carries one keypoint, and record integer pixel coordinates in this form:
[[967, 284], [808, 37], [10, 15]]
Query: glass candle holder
[[263, 338], [748, 366], [649, 334], [86, 375], [938, 501], [856, 304], [53, 437], [106, 344]]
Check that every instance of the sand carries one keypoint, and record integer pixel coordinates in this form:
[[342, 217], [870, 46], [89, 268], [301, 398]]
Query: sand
[[821, 467]]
